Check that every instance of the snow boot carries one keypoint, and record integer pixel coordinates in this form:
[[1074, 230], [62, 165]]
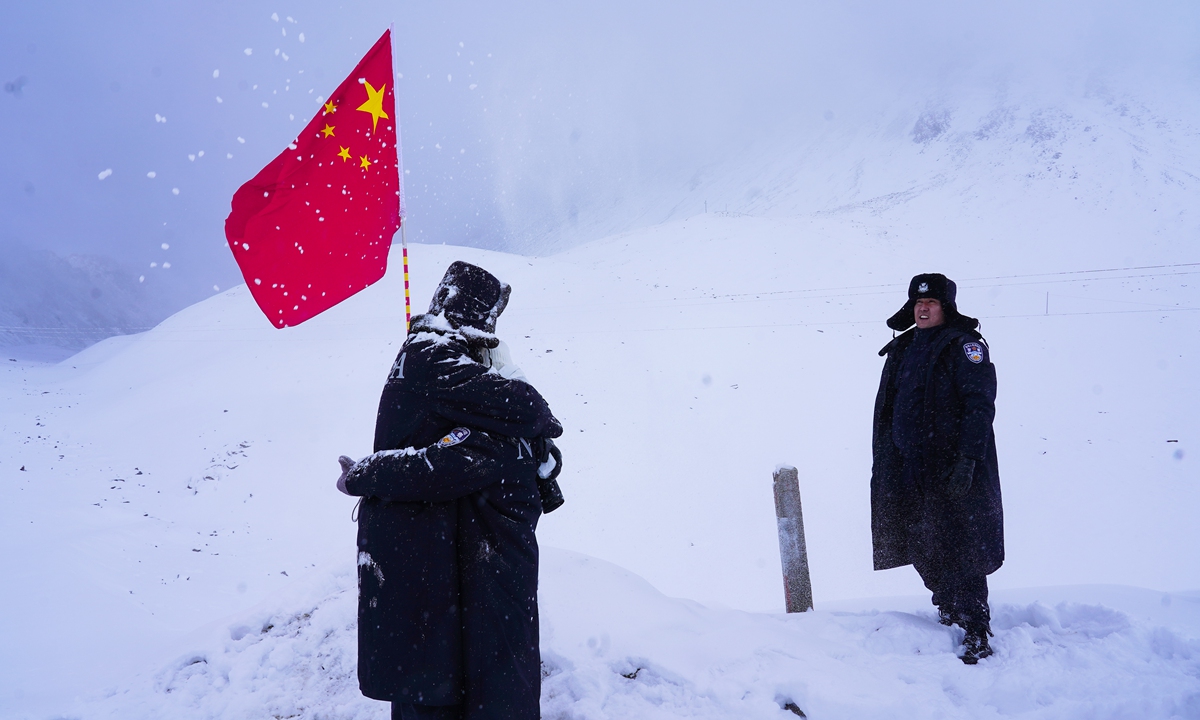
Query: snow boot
[[975, 645], [944, 617]]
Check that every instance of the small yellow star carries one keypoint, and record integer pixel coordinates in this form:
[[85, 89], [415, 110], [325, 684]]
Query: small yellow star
[[328, 130], [365, 162], [344, 153], [374, 104], [330, 107]]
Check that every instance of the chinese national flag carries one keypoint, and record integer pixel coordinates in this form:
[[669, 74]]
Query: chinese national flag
[[314, 226]]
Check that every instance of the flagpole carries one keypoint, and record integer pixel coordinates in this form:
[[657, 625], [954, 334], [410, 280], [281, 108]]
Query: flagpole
[[400, 177], [407, 299]]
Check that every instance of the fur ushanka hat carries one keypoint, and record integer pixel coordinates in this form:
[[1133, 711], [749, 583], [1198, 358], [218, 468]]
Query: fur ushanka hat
[[938, 287], [470, 296]]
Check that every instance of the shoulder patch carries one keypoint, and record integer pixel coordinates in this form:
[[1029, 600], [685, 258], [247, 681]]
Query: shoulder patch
[[454, 437], [974, 352]]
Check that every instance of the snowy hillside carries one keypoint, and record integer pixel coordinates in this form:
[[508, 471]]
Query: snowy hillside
[[168, 502]]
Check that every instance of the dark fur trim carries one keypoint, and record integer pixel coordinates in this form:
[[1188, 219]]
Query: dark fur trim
[[940, 288], [470, 296], [903, 319]]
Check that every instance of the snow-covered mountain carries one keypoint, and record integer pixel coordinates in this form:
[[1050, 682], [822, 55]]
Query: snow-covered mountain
[[535, 127], [51, 306], [1088, 171], [1090, 168], [168, 503]]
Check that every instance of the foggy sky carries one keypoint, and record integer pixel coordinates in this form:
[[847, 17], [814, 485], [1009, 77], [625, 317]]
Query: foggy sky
[[526, 126]]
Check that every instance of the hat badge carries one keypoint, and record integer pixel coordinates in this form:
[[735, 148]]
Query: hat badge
[[923, 287]]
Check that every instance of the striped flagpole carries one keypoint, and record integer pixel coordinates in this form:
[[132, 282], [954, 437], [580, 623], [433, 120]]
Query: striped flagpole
[[403, 208], [407, 298]]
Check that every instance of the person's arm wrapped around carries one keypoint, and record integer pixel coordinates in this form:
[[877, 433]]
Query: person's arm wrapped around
[[435, 380], [469, 394], [462, 462]]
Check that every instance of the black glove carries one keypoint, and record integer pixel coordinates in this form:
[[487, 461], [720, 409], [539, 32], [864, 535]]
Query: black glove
[[551, 461], [346, 464], [958, 481], [552, 497]]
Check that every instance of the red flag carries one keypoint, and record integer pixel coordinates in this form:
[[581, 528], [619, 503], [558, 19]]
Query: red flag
[[314, 226]]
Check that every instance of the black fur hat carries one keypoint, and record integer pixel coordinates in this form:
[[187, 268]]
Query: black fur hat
[[938, 287], [470, 296]]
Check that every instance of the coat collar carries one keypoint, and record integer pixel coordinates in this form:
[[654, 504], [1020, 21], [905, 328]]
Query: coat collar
[[440, 326], [898, 342], [905, 338]]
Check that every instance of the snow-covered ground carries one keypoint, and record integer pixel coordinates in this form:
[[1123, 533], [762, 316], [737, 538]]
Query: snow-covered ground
[[614, 647], [174, 547]]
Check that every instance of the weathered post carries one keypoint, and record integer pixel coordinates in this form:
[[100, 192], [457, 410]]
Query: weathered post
[[797, 588]]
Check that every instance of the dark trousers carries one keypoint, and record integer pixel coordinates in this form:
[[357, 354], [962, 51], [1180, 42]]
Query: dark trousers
[[409, 711], [960, 596]]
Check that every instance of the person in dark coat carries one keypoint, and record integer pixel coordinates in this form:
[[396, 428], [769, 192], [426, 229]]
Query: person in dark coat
[[492, 481], [447, 559], [935, 479]]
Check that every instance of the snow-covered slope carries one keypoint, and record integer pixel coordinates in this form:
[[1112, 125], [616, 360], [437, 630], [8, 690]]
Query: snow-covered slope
[[614, 647], [167, 496]]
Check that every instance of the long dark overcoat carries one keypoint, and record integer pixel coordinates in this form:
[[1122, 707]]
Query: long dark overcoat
[[492, 482], [422, 628], [917, 522]]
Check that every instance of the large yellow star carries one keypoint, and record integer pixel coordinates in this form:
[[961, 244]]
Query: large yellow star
[[374, 104], [330, 107], [365, 162], [344, 153], [328, 130]]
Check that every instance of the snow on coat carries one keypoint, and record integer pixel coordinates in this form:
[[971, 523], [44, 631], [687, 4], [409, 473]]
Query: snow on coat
[[452, 539]]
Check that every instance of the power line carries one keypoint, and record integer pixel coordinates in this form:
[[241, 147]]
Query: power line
[[876, 321], [1096, 274], [1080, 272]]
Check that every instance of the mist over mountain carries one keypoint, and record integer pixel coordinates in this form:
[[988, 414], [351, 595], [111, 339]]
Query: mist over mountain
[[51, 306], [535, 127]]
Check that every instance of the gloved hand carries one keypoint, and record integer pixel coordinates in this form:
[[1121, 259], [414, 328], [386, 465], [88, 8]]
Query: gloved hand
[[552, 497], [346, 464], [552, 465], [958, 481], [500, 360]]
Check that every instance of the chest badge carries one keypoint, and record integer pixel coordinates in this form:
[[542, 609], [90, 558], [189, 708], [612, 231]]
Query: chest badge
[[974, 352], [454, 437]]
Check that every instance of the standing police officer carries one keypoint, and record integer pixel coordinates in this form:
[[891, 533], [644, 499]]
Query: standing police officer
[[935, 481]]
